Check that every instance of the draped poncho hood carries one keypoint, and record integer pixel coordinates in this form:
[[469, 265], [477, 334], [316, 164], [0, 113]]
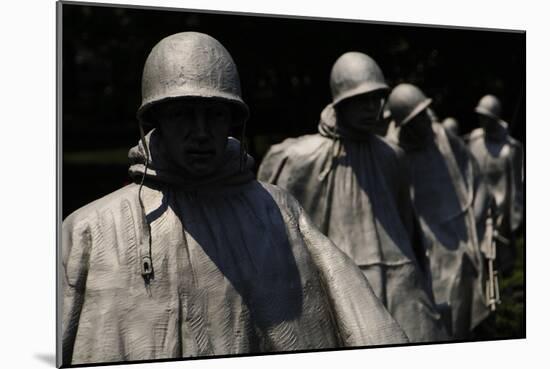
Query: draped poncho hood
[[162, 170]]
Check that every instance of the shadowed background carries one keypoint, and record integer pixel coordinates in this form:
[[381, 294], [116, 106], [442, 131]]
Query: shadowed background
[[284, 65]]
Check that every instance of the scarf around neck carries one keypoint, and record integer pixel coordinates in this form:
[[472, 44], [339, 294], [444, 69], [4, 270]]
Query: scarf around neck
[[329, 127], [162, 171]]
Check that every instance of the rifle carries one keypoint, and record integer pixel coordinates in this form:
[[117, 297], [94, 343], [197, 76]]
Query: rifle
[[492, 292]]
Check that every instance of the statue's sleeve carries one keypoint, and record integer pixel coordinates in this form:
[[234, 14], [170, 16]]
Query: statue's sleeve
[[360, 316], [482, 204], [75, 251], [475, 182], [518, 178]]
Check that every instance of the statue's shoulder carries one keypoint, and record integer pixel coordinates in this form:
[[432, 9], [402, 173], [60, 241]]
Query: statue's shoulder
[[515, 143], [300, 146], [126, 196], [476, 135], [284, 199], [456, 142]]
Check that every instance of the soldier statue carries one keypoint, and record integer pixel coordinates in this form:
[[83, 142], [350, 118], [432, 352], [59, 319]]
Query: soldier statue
[[354, 185], [446, 184]]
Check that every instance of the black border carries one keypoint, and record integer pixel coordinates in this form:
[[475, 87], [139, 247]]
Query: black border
[[304, 17]]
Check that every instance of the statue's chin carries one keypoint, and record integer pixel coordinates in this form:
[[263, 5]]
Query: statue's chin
[[199, 169]]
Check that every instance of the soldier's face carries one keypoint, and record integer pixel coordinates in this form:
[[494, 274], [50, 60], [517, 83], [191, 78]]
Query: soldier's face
[[361, 112], [421, 122], [487, 123], [195, 133], [417, 128]]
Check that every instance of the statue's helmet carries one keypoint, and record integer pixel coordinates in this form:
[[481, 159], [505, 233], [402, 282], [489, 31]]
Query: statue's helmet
[[405, 102], [489, 105], [353, 74], [189, 65], [451, 125]]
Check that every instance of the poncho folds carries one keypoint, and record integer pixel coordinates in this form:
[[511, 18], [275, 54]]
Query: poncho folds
[[238, 268], [354, 187], [446, 184]]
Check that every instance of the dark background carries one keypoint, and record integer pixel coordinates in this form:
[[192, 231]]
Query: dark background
[[284, 66]]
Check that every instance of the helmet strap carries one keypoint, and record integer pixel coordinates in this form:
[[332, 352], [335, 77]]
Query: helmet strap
[[146, 260]]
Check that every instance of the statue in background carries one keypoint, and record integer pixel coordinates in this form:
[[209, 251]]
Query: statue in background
[[354, 186], [500, 158], [446, 183]]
